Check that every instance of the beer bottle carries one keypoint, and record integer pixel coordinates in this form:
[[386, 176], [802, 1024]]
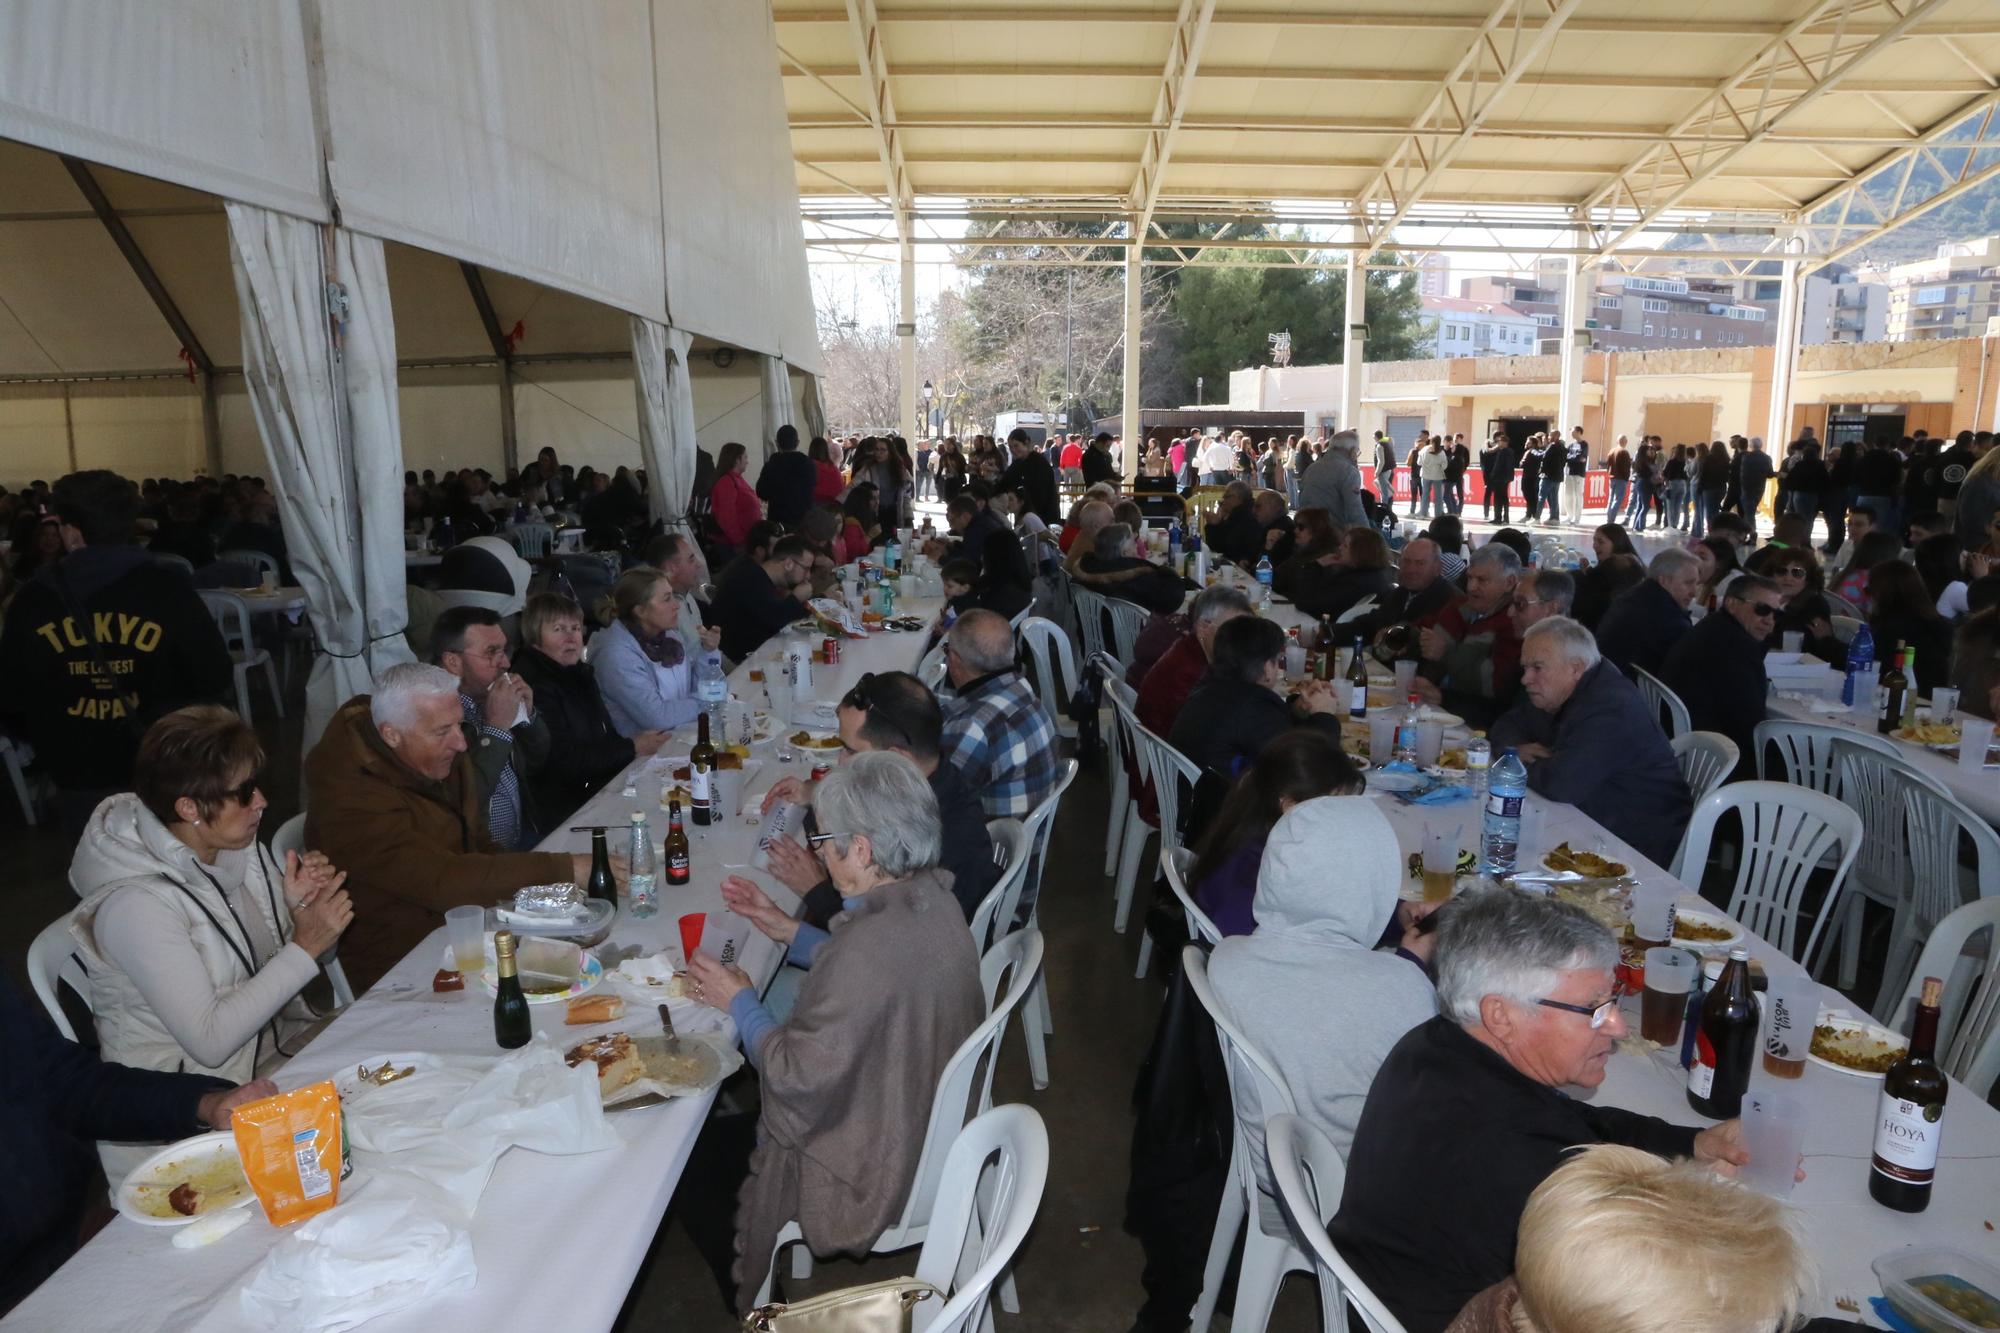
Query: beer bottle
[[601, 884], [1357, 676], [1725, 1042], [701, 774], [677, 845], [510, 1006], [1909, 1123], [1323, 650], [1910, 689], [1894, 683]]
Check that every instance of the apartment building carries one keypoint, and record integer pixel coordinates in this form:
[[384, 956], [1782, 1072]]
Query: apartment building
[[1461, 327], [1952, 295]]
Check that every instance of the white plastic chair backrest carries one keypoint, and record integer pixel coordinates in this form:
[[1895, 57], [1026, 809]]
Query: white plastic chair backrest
[[1021, 617], [956, 1099], [52, 959], [173, 561], [1010, 853], [1969, 1023], [1807, 750], [1872, 785], [1040, 823], [1168, 768], [1178, 863], [1310, 1176], [1256, 1089], [1053, 664], [1090, 620], [1125, 714], [289, 836], [1657, 696], [232, 617], [531, 539], [999, 1165], [263, 561], [1842, 608], [1706, 760], [930, 666], [1845, 628], [1787, 829], [1127, 619]]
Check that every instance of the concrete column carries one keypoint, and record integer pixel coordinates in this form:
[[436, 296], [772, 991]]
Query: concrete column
[[1784, 360], [1575, 343], [1135, 436], [906, 340], [1356, 343]]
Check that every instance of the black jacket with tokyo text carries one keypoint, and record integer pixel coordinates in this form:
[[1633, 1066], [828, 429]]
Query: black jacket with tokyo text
[[160, 651]]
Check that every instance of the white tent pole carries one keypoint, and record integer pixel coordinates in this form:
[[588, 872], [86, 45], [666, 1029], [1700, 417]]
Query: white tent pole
[[1135, 433], [1575, 342], [1356, 343], [1784, 357], [906, 338]]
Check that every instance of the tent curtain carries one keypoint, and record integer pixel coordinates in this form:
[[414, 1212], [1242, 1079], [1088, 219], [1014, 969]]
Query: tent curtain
[[813, 409], [323, 393], [666, 416], [776, 385]]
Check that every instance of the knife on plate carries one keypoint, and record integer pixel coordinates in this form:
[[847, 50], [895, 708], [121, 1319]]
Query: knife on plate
[[667, 1026]]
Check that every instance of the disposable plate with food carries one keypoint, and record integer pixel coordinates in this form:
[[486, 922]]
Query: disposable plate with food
[[813, 738], [1564, 859], [637, 1071], [1854, 1046], [550, 970], [1704, 930], [185, 1181]]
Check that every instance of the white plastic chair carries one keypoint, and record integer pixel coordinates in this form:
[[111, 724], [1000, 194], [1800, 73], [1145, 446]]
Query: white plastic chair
[[1257, 1091], [52, 962], [262, 561], [1168, 768], [1872, 785], [1932, 886], [1845, 628], [1053, 665], [172, 561], [1310, 1175], [1178, 865], [532, 540], [15, 756], [232, 617], [1806, 750], [1089, 620], [290, 836], [986, 1201], [1127, 619], [1123, 805], [1969, 1021], [1841, 607], [1039, 1022], [1010, 853], [1787, 830], [965, 1089], [1706, 760], [1658, 697], [1020, 617]]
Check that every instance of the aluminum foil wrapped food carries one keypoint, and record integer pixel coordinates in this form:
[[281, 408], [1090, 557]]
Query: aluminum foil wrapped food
[[550, 900]]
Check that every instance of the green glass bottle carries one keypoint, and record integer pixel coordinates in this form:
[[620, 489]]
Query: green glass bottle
[[510, 1004]]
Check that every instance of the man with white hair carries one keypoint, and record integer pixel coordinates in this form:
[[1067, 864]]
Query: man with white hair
[[1466, 1115], [1333, 482], [995, 731], [1642, 626], [1588, 738], [393, 798], [1472, 646]]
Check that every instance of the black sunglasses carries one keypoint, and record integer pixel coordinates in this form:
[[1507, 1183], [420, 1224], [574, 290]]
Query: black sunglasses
[[1762, 609], [245, 792], [862, 699]]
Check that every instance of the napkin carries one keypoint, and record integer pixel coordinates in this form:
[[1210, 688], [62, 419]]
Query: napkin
[[398, 1245], [1445, 793]]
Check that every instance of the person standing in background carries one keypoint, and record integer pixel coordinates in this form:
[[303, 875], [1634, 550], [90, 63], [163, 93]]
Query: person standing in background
[[1578, 463]]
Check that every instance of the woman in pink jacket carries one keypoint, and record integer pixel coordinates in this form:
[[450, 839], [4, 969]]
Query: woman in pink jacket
[[733, 503]]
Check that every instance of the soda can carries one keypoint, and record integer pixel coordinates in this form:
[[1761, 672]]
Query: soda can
[[820, 770], [832, 649]]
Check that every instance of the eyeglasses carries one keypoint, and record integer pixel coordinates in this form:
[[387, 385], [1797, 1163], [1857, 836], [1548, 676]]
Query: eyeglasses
[[1599, 1013], [1762, 610], [815, 841], [245, 792], [862, 700]]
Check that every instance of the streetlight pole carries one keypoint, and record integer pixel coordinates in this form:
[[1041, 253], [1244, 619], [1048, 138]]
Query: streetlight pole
[[1197, 391]]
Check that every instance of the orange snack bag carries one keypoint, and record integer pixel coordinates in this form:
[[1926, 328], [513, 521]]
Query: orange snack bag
[[290, 1145]]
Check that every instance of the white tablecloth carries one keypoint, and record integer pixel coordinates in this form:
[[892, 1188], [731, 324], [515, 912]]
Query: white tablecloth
[[1979, 788], [558, 1240]]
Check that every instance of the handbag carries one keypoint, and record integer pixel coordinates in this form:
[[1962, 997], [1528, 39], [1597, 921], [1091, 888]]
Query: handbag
[[876, 1307]]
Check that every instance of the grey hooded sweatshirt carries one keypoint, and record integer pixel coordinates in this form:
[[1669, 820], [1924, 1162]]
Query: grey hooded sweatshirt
[[1309, 990]]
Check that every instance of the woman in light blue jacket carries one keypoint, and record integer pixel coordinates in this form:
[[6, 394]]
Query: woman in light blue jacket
[[641, 664]]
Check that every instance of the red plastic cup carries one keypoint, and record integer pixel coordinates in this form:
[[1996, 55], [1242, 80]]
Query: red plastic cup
[[692, 925]]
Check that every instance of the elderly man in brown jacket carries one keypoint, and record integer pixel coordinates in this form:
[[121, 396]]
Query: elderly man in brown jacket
[[393, 796]]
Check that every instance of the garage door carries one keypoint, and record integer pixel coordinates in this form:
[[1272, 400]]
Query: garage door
[[1403, 432], [1680, 423]]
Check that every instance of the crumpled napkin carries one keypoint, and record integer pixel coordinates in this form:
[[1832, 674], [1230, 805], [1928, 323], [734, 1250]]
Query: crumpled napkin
[[1444, 793], [399, 1244]]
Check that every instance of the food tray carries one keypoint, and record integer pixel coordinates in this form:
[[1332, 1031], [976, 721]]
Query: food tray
[[1900, 1271]]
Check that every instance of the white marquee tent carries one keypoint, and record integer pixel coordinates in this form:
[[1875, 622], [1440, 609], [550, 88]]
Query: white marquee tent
[[327, 241]]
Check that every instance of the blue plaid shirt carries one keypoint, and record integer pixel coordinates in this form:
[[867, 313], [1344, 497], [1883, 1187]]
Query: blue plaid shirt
[[503, 807], [1002, 743]]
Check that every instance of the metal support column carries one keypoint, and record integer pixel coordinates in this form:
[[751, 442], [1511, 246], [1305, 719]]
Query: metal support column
[[1135, 435], [503, 349], [906, 338], [1575, 342], [1356, 343], [211, 427], [1784, 358]]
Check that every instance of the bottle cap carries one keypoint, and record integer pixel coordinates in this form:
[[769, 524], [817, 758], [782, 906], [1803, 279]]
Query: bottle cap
[[1933, 994], [503, 943]]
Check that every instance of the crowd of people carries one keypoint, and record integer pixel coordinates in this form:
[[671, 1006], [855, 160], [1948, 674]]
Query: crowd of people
[[435, 788]]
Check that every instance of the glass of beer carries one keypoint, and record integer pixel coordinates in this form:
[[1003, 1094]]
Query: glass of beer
[[1652, 920], [465, 927], [1440, 863], [1663, 1003], [1791, 1007]]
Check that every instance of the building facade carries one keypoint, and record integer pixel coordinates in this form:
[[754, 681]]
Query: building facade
[[1950, 296], [1459, 327]]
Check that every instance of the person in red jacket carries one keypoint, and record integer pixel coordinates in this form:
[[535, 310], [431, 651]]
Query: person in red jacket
[[734, 506]]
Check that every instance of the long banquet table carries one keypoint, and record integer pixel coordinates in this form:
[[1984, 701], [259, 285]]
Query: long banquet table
[[558, 1240], [1979, 788]]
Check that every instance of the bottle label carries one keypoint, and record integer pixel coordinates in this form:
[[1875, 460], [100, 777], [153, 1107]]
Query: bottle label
[[698, 783], [1503, 805], [677, 867], [1701, 1074], [1906, 1139]]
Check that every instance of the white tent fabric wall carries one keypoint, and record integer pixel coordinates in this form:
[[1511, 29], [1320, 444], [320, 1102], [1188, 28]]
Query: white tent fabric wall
[[666, 416], [212, 94], [329, 422], [735, 255], [776, 397], [538, 153], [812, 410]]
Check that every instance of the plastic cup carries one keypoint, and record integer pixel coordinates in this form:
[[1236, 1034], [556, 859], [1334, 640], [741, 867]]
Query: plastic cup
[[1406, 676], [1944, 704], [1974, 738], [728, 793], [1430, 741], [1670, 975], [692, 924], [723, 936], [1440, 862], [1774, 1131], [1653, 920], [1791, 1007], [1794, 641], [1381, 736], [465, 928]]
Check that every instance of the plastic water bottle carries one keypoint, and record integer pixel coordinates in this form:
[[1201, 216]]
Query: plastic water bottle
[[711, 687], [1478, 759], [892, 556], [1860, 653], [645, 898], [1264, 581], [1406, 733], [1174, 541], [1500, 837]]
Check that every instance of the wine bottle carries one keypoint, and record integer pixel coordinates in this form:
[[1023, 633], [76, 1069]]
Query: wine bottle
[[1725, 1042], [1893, 684], [1323, 650], [677, 845], [701, 775], [1357, 678], [1910, 689], [601, 884], [1909, 1123], [510, 1006]]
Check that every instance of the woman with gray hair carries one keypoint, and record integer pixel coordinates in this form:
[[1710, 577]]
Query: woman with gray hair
[[1466, 1115], [893, 989], [1115, 568]]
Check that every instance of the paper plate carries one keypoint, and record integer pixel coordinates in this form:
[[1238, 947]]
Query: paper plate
[[1706, 919], [1384, 780], [208, 1161], [1845, 1024]]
